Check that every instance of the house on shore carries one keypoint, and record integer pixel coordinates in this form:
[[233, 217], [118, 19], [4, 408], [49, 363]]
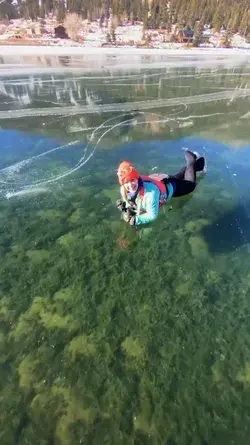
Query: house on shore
[[60, 32], [185, 36]]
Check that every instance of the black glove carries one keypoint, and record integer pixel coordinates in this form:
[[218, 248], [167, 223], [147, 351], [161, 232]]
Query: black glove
[[131, 210], [132, 220], [121, 205], [129, 217]]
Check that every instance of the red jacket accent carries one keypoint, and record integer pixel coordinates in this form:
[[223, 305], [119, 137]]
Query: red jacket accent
[[161, 186]]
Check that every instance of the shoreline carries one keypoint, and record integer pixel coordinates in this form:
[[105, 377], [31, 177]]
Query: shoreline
[[22, 50]]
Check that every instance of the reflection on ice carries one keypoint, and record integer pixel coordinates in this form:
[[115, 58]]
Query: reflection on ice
[[37, 94], [127, 106]]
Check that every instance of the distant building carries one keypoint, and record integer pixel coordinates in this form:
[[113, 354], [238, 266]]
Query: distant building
[[60, 32], [185, 36]]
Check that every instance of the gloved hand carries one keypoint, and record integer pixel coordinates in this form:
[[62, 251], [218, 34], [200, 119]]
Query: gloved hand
[[121, 205], [129, 217], [131, 210]]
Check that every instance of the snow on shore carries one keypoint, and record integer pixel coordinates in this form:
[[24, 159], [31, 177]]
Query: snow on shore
[[83, 50]]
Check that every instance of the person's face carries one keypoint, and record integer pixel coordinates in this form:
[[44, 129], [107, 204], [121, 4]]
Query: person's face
[[131, 186]]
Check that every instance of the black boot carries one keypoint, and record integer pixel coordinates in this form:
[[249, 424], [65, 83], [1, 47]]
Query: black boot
[[190, 157]]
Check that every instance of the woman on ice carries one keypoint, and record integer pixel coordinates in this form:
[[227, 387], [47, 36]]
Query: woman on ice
[[142, 196]]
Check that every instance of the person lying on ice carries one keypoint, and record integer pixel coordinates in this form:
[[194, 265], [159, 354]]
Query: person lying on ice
[[142, 196]]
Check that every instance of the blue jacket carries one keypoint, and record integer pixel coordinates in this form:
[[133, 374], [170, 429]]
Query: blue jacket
[[147, 206]]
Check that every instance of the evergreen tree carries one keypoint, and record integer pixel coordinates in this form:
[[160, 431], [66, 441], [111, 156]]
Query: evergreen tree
[[226, 40], [235, 19], [145, 15], [8, 10], [60, 10], [234, 15], [199, 26], [48, 6], [218, 19], [244, 26], [165, 18]]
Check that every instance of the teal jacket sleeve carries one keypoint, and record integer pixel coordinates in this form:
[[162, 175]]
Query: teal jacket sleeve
[[151, 206]]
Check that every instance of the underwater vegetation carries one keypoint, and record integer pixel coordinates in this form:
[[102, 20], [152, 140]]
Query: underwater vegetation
[[109, 334], [143, 343]]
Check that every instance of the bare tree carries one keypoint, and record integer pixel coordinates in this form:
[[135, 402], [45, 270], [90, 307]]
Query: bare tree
[[73, 24]]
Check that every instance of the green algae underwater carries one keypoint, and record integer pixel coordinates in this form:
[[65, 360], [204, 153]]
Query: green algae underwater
[[145, 341]]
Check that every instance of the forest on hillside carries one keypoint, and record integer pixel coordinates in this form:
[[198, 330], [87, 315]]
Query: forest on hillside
[[233, 15]]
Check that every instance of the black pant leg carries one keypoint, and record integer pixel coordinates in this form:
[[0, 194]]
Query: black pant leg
[[182, 187], [198, 166]]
